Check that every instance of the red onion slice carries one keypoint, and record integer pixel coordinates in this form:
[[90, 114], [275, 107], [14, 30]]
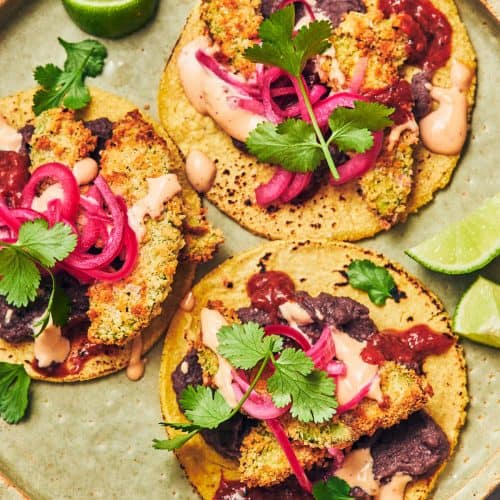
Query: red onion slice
[[298, 470], [131, 248], [359, 163], [60, 174], [211, 64], [274, 188], [323, 109], [298, 184], [288, 331], [336, 368], [357, 398], [323, 350], [114, 244]]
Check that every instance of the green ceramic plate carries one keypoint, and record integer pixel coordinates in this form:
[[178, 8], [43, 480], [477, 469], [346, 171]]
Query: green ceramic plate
[[93, 440]]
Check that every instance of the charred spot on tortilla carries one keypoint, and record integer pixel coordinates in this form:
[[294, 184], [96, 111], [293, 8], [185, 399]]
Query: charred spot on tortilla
[[101, 332], [373, 53], [421, 404]]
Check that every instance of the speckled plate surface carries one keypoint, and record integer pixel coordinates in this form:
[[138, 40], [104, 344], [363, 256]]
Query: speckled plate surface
[[93, 440]]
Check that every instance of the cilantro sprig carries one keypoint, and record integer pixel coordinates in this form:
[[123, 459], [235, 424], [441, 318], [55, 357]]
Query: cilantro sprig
[[295, 144], [333, 489], [295, 381], [66, 86], [37, 246], [14, 389], [376, 280]]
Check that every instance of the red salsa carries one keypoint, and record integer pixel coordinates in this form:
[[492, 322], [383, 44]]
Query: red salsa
[[405, 346], [397, 95], [270, 289], [14, 174], [428, 30], [82, 350]]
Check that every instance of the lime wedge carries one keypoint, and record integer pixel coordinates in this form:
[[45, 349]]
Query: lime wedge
[[477, 316], [465, 246], [110, 18]]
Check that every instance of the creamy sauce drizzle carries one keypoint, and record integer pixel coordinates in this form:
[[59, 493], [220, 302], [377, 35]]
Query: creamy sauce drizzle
[[10, 138], [211, 96], [357, 470], [200, 171], [294, 314], [51, 347], [211, 321], [397, 130], [188, 302], [53, 192], [85, 171], [444, 130], [160, 190], [8, 316], [395, 488], [136, 365], [359, 373]]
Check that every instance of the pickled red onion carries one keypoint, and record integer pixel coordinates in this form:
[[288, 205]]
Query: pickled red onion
[[274, 188], [60, 174], [113, 246], [323, 350], [360, 162], [290, 332], [358, 397], [282, 438], [257, 405], [211, 64]]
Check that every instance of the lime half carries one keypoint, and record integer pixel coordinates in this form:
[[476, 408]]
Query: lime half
[[110, 18], [477, 316], [465, 246]]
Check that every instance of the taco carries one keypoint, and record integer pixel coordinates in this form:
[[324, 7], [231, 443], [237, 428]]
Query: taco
[[402, 408], [112, 316], [413, 56]]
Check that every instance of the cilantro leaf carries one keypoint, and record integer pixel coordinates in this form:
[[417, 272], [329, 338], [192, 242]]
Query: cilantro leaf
[[204, 407], [280, 48], [47, 76], [14, 389], [245, 345], [333, 489], [292, 144], [20, 278], [46, 245], [66, 87], [173, 443], [60, 307], [312, 39], [376, 280], [351, 127], [36, 244], [310, 391]]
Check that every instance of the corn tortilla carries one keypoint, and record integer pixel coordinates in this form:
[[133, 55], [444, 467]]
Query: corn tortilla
[[314, 267], [17, 110], [338, 213]]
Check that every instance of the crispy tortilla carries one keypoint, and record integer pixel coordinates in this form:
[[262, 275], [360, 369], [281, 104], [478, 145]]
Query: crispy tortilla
[[338, 213], [314, 267], [17, 110]]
